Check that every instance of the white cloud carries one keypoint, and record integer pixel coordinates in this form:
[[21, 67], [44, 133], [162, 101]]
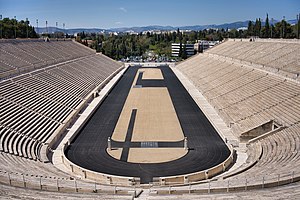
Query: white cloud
[[118, 23], [123, 9]]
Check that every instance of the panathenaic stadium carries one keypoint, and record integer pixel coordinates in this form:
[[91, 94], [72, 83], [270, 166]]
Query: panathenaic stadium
[[75, 124]]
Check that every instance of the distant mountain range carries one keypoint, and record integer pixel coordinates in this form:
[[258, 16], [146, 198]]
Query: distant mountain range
[[234, 25], [68, 31]]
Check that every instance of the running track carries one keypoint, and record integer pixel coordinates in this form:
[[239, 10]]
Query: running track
[[207, 149]]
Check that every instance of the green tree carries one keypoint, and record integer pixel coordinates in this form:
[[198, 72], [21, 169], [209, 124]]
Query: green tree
[[267, 28], [9, 26], [250, 28], [180, 50], [257, 27], [283, 28], [184, 55]]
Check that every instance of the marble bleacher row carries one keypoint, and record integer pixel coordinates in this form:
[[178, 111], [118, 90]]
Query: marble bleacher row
[[35, 104], [244, 96], [19, 56], [279, 159], [280, 156], [279, 55], [18, 169]]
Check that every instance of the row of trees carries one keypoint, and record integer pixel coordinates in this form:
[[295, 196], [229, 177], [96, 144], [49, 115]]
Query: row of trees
[[280, 29], [126, 45], [11, 28]]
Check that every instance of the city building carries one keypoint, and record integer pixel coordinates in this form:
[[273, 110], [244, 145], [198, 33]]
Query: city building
[[202, 45], [189, 49]]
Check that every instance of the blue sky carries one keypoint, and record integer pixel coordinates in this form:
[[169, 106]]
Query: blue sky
[[127, 13]]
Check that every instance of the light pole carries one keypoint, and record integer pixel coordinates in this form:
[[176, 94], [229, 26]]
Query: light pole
[[56, 23], [47, 28], [27, 23], [64, 25], [259, 28], [15, 26], [283, 24], [37, 26], [298, 23], [272, 27], [1, 25]]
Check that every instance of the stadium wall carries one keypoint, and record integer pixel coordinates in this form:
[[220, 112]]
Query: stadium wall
[[201, 175]]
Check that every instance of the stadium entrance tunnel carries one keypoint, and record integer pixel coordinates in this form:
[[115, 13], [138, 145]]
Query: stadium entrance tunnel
[[264, 129], [138, 134]]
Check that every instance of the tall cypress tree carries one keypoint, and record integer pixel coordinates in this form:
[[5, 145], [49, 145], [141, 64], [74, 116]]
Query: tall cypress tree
[[180, 50], [256, 27], [250, 28], [283, 27], [259, 27], [184, 55], [267, 27]]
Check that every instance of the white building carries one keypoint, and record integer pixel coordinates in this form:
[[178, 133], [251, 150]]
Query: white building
[[189, 49], [202, 45]]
